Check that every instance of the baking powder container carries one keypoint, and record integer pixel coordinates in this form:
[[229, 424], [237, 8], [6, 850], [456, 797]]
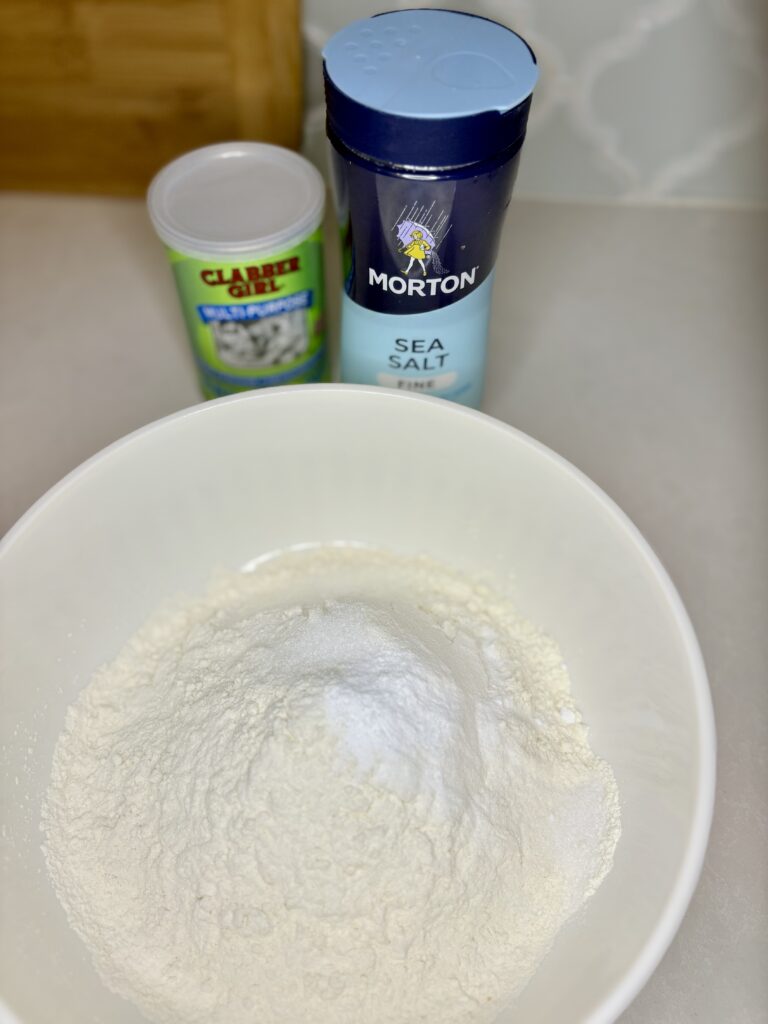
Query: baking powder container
[[241, 222]]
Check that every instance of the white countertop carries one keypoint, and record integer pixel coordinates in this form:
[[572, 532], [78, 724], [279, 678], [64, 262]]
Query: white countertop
[[634, 341]]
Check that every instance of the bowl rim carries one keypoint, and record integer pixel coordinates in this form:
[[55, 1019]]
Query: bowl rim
[[659, 940]]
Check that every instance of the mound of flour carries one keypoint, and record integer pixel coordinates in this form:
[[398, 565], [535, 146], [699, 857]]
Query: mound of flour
[[347, 788]]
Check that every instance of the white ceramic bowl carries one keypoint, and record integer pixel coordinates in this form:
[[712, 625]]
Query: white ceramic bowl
[[221, 483]]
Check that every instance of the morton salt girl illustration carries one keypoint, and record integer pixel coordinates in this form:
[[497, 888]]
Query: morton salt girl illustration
[[417, 249], [427, 111]]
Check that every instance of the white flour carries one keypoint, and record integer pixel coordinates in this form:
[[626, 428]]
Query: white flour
[[347, 789]]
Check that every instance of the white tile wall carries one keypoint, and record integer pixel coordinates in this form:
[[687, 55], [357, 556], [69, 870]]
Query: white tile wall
[[649, 100]]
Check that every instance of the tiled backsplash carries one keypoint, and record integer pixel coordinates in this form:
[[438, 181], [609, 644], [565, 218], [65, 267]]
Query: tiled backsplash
[[650, 100]]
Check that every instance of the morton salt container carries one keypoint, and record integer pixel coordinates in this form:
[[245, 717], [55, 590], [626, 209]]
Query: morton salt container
[[241, 222], [427, 111]]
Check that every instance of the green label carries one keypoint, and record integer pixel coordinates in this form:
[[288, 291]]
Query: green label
[[255, 323]]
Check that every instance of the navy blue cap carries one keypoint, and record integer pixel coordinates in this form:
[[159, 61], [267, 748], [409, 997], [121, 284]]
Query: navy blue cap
[[428, 88]]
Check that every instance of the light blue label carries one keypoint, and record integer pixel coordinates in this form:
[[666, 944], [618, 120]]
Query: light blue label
[[441, 352]]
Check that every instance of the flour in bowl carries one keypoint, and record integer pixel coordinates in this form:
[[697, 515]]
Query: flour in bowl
[[346, 788]]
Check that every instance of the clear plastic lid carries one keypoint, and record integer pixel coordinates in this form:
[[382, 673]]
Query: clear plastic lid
[[236, 198]]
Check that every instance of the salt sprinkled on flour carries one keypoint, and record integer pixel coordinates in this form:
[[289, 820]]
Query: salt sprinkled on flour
[[348, 788]]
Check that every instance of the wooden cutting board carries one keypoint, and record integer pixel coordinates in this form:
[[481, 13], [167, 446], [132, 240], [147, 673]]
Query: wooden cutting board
[[96, 95]]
